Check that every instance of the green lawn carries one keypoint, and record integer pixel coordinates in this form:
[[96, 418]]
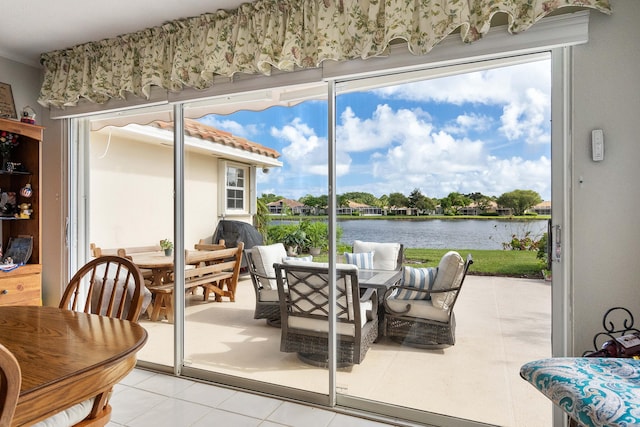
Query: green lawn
[[489, 262], [485, 262]]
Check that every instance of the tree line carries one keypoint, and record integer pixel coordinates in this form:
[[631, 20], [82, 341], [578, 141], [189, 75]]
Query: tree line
[[517, 200]]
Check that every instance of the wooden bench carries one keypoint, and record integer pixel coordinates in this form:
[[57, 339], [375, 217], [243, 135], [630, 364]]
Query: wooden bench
[[215, 271]]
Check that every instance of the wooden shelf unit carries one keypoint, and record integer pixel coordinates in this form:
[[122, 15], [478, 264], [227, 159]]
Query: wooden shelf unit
[[22, 286]]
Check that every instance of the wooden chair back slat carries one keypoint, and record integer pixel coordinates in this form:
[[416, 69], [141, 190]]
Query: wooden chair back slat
[[122, 300]]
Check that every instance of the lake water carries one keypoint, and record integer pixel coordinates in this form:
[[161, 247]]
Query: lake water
[[438, 233]]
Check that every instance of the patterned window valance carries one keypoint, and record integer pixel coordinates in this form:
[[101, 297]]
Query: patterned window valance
[[285, 34]]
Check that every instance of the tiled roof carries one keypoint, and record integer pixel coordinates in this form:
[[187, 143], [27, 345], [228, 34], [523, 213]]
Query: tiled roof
[[288, 202], [353, 204], [196, 129]]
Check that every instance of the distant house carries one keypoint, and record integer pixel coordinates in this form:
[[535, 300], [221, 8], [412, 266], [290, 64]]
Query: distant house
[[543, 208], [402, 210], [359, 209], [287, 207]]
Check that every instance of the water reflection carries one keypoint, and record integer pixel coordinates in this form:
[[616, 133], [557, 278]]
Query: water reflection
[[438, 233]]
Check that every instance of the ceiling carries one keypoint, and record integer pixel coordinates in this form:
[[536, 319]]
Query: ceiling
[[30, 28]]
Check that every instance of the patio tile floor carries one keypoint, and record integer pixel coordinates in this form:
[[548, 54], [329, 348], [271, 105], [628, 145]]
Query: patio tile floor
[[501, 324]]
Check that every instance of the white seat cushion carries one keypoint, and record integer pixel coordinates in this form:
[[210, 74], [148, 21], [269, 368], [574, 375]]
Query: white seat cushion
[[69, 416], [269, 295], [108, 288], [450, 272], [307, 258], [420, 308], [385, 255], [264, 257], [318, 325]]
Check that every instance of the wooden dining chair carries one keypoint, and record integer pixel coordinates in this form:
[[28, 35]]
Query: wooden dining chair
[[10, 380], [109, 285]]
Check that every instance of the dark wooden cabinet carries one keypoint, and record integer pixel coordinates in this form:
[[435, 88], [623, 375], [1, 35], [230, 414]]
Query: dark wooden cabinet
[[22, 286]]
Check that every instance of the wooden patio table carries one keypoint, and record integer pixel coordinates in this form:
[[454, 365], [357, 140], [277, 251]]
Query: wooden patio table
[[66, 357]]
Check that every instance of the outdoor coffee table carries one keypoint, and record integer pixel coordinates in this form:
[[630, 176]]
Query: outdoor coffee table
[[380, 280]]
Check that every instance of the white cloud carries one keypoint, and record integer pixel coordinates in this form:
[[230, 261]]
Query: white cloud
[[305, 152], [238, 129], [439, 162], [522, 90], [385, 127], [470, 122]]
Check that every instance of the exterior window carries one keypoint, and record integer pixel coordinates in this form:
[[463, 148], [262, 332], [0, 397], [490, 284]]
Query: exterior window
[[235, 188]]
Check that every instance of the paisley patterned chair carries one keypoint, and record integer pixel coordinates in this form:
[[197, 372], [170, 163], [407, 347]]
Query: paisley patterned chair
[[594, 392]]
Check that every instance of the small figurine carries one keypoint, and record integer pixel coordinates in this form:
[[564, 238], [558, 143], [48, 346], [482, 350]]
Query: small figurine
[[28, 115], [25, 211]]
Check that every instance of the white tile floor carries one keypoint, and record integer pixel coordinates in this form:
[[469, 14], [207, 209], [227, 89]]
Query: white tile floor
[[145, 398]]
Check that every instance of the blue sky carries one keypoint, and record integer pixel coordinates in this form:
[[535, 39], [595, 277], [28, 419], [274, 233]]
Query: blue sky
[[487, 131]]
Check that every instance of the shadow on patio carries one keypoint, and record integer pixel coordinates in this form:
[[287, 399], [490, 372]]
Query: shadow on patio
[[501, 324]]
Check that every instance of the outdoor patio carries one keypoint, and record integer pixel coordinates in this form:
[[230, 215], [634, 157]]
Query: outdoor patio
[[501, 324]]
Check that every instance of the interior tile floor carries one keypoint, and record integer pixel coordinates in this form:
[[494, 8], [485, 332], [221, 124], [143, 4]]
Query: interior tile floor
[[145, 398]]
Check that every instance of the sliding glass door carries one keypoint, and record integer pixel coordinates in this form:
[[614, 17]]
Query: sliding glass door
[[262, 162]]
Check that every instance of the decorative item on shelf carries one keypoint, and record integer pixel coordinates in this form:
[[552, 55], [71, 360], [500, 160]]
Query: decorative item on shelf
[[167, 246], [13, 166], [28, 115], [26, 191], [8, 141], [7, 204], [25, 211], [19, 250]]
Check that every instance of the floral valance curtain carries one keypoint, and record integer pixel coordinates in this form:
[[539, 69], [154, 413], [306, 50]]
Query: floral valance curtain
[[285, 34]]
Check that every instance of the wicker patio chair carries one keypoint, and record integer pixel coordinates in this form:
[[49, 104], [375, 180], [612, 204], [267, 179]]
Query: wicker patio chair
[[260, 260], [303, 289], [419, 311]]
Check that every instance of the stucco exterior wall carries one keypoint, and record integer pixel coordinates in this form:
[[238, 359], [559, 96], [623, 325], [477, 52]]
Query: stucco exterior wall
[[606, 234], [131, 188]]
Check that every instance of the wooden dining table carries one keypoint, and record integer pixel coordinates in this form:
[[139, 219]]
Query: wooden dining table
[[161, 265], [66, 357]]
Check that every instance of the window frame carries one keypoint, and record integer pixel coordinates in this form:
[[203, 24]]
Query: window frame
[[225, 210]]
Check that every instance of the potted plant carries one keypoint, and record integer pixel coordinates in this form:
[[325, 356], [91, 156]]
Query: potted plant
[[317, 237], [294, 241], [167, 246]]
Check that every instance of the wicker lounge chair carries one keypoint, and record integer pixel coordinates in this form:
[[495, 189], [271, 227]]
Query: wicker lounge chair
[[304, 303], [260, 260], [419, 311]]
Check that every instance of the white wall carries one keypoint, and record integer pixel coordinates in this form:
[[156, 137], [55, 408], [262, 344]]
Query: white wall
[[131, 202], [606, 238], [25, 84]]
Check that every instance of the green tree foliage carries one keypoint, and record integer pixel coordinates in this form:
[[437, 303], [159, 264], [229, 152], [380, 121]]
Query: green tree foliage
[[519, 200], [454, 202], [361, 197], [313, 201], [398, 200], [261, 218], [420, 201], [269, 197]]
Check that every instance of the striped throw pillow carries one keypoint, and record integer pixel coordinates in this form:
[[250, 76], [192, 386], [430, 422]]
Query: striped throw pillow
[[362, 260], [419, 278]]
